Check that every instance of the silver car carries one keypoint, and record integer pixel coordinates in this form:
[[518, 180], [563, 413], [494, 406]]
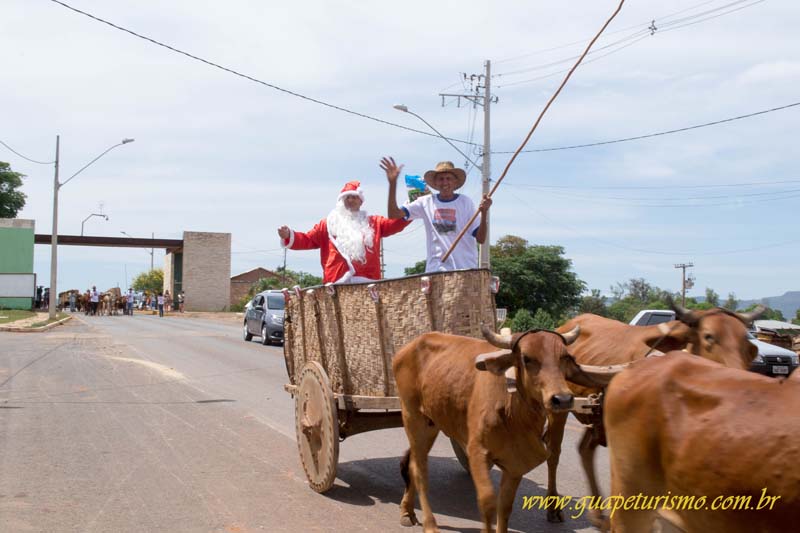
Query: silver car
[[263, 317]]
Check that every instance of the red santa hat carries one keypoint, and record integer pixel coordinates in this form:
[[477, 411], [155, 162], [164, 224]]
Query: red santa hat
[[351, 187]]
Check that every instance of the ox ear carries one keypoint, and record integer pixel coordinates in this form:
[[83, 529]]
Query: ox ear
[[495, 362], [669, 336]]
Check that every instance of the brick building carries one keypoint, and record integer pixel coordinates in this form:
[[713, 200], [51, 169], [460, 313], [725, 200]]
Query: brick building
[[241, 283]]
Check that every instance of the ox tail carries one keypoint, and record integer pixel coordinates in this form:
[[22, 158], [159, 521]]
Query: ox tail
[[404, 467]]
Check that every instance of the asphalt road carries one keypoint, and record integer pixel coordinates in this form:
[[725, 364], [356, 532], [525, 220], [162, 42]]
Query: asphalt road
[[143, 424]]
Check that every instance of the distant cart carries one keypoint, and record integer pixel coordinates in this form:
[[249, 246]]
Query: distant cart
[[339, 344]]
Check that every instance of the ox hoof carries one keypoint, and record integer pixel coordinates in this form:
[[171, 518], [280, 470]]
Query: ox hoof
[[555, 515], [408, 520]]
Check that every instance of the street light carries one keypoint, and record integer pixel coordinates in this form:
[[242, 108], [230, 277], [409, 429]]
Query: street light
[[54, 237], [152, 236], [90, 216], [404, 109], [484, 248]]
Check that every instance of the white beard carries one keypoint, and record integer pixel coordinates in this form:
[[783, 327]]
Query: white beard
[[352, 232]]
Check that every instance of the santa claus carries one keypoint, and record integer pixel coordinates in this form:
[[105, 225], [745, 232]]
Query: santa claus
[[349, 240]]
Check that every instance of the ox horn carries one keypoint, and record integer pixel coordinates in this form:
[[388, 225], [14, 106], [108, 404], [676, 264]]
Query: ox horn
[[602, 374], [687, 316], [572, 335], [748, 318], [501, 341]]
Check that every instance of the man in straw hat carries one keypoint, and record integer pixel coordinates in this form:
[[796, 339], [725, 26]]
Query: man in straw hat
[[445, 214], [349, 240]]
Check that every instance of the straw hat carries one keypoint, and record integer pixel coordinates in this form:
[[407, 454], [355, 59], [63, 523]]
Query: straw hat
[[446, 166]]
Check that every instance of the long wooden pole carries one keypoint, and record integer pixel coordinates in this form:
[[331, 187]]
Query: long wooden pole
[[535, 125]]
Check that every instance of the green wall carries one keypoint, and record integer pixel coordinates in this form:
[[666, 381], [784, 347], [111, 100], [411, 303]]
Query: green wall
[[16, 256]]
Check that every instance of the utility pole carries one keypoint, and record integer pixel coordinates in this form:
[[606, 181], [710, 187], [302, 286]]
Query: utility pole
[[152, 236], [383, 266], [684, 284], [486, 100], [54, 241], [284, 267]]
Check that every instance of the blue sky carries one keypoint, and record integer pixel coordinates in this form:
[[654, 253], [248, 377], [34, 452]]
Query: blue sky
[[216, 152]]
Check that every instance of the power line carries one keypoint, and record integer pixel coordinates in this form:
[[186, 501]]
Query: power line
[[654, 252], [581, 41], [633, 202], [565, 70], [744, 184], [651, 30], [649, 135], [250, 78], [28, 158]]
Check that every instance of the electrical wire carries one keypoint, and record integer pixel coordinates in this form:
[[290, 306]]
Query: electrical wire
[[27, 158], [566, 70], [581, 41], [665, 27], [653, 252], [250, 78], [668, 132], [651, 29], [671, 187]]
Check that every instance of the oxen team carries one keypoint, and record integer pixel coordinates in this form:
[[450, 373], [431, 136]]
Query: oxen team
[[691, 424], [111, 302]]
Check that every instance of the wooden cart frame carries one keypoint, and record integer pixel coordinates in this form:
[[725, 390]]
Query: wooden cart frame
[[339, 342]]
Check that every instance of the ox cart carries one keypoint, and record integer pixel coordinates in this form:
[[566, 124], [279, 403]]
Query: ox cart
[[339, 343]]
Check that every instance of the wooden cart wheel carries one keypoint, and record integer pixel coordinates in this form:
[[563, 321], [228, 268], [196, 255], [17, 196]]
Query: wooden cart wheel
[[461, 455], [317, 426]]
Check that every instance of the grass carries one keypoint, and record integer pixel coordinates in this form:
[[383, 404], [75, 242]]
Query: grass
[[58, 317], [12, 315]]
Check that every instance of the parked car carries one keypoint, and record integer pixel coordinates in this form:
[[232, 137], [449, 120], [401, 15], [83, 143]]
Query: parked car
[[263, 317], [771, 360]]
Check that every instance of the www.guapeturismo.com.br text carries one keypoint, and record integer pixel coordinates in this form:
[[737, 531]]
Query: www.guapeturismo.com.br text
[[641, 502]]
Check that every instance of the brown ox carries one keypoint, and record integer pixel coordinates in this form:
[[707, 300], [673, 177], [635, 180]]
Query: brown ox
[[717, 334], [458, 385], [681, 426]]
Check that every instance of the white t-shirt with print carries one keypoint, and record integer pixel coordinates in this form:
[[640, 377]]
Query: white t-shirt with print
[[443, 221]]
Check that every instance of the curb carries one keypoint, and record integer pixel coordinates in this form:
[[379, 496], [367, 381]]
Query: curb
[[18, 329]]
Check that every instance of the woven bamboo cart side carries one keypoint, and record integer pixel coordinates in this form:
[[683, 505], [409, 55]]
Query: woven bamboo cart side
[[353, 331]]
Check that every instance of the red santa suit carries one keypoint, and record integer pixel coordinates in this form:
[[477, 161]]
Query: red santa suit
[[336, 266]]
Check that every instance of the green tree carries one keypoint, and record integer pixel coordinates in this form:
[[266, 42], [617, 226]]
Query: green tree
[[543, 320], [769, 314], [11, 200], [796, 319], [731, 303], [534, 277], [418, 268], [712, 297], [522, 321], [594, 303], [635, 295], [151, 281]]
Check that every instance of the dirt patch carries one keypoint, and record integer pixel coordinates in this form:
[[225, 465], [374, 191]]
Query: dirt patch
[[227, 318], [28, 322]]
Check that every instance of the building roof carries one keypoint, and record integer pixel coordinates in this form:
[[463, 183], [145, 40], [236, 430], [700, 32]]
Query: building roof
[[777, 325], [264, 273]]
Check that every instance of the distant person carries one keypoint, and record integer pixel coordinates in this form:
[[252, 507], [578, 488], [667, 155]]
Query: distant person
[[349, 240], [445, 214], [72, 302], [94, 298], [129, 302], [160, 303], [38, 302], [181, 298], [167, 301]]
